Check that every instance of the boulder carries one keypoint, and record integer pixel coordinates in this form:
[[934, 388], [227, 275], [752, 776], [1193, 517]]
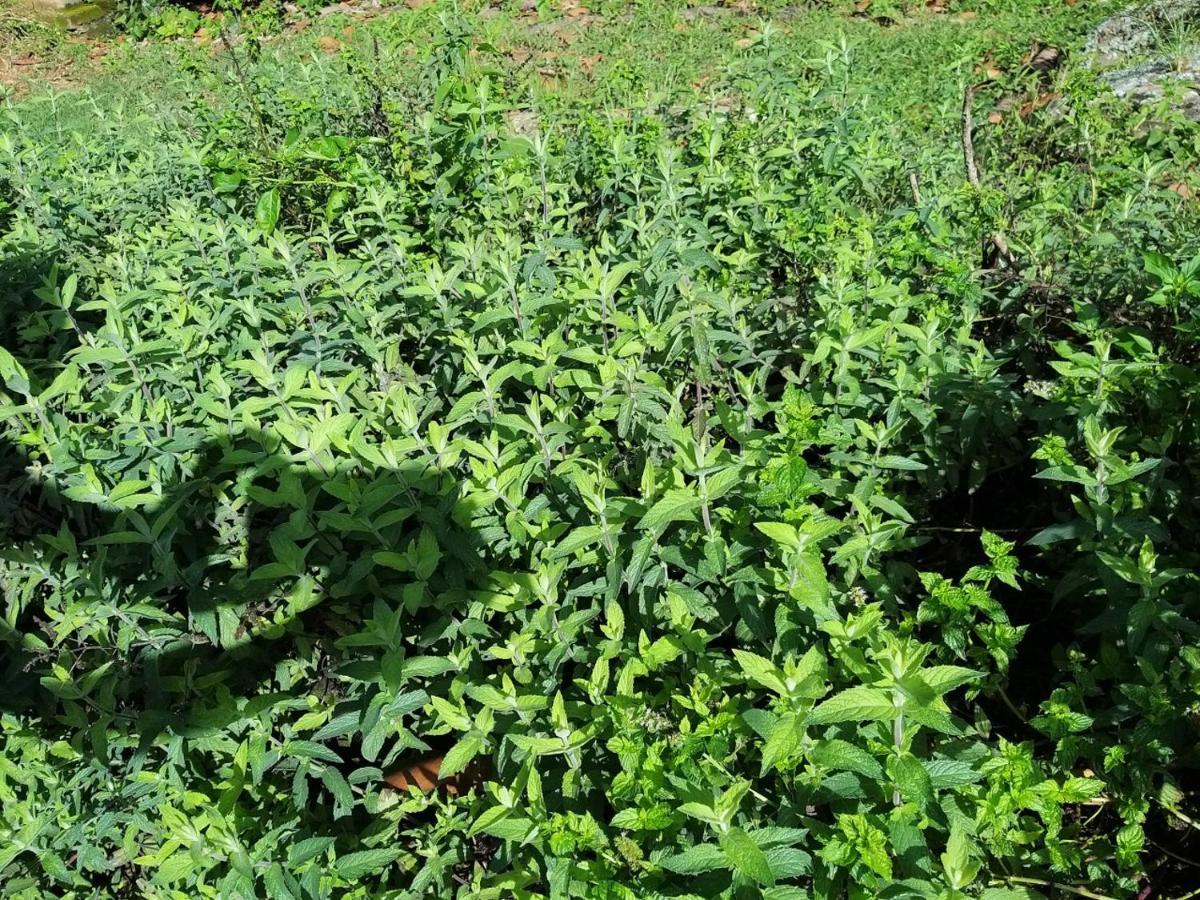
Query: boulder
[[1151, 51], [1141, 30]]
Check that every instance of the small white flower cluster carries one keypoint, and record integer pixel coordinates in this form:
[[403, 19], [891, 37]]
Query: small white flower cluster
[[655, 722], [1040, 388]]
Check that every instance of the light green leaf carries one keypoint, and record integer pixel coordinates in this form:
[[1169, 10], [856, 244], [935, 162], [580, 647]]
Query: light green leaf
[[761, 671], [266, 211], [353, 866], [747, 857], [696, 860], [783, 743], [842, 755], [677, 505], [856, 704], [912, 780], [461, 754]]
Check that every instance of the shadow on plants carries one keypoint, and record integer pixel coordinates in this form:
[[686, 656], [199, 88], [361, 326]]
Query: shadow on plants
[[202, 589]]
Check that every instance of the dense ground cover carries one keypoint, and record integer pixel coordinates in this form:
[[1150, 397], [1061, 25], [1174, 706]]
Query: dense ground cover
[[649, 410]]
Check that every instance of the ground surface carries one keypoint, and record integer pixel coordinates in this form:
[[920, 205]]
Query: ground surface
[[921, 50]]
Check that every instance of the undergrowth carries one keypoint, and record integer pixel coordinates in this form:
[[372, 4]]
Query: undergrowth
[[756, 504]]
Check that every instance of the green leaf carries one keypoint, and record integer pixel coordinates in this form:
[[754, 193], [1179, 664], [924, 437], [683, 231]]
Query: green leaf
[[342, 795], [783, 743], [676, 505], [353, 866], [959, 861], [761, 671], [461, 754], [311, 750], [266, 211], [810, 584], [308, 848], [696, 860], [339, 726], [784, 535], [900, 462], [276, 883], [946, 678], [950, 772], [747, 857], [912, 780], [488, 818], [842, 755], [856, 704], [392, 560], [700, 811]]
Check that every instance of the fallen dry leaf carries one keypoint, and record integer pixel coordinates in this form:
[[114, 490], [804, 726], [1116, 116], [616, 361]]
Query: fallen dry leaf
[[1039, 102], [1183, 189], [519, 55], [744, 42], [935, 6], [417, 4], [861, 6], [28, 59], [995, 117], [967, 15], [588, 63], [1042, 58], [329, 44], [987, 68], [576, 12], [98, 52]]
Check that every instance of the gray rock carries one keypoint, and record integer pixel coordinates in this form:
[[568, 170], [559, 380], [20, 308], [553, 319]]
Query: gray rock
[[1139, 53], [1147, 82], [1140, 30]]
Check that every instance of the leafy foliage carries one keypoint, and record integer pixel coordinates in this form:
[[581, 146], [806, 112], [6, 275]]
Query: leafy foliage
[[678, 461]]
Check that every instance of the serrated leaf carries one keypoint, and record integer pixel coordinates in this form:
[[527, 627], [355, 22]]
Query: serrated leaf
[[311, 750], [842, 755], [266, 211], [761, 671], [943, 679], [747, 857], [461, 754], [856, 704], [783, 742], [912, 780], [308, 848], [696, 860], [353, 866], [677, 505]]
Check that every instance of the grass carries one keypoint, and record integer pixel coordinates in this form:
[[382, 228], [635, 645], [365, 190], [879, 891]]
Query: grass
[[622, 51]]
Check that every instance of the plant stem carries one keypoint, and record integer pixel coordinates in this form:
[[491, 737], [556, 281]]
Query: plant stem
[[1058, 886]]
